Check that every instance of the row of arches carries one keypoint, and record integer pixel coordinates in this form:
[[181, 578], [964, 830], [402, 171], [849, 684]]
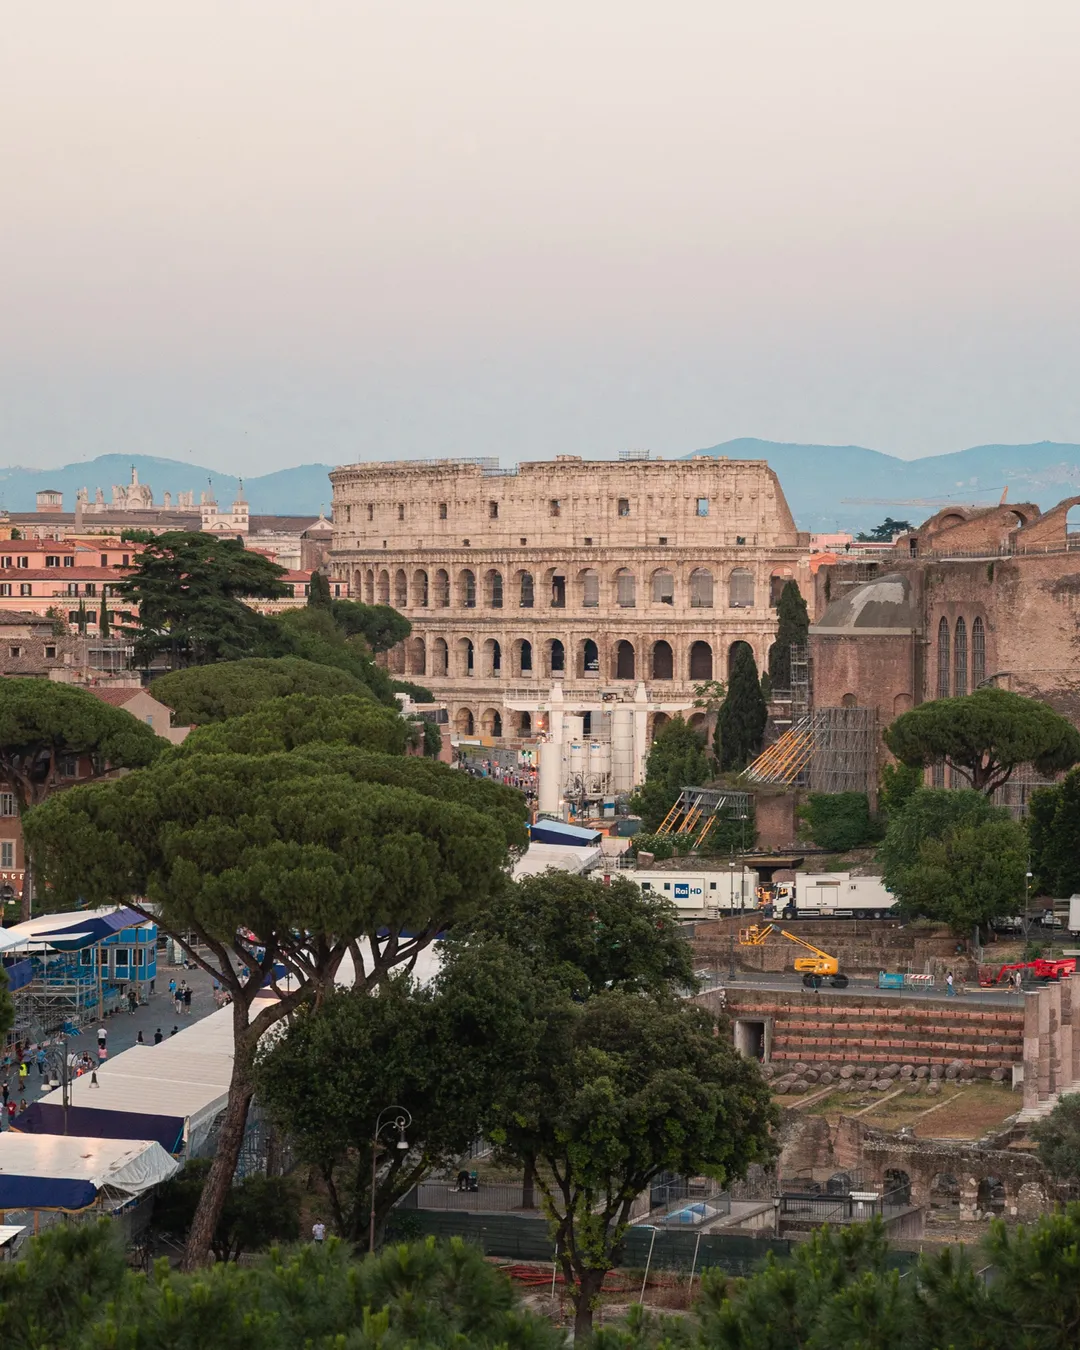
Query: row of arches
[[956, 673], [584, 659], [557, 588], [491, 723]]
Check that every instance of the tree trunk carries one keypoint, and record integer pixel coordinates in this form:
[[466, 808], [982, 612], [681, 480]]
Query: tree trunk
[[528, 1185], [230, 1139], [586, 1295]]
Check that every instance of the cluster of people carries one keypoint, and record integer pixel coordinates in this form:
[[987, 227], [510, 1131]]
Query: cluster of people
[[181, 997], [519, 776]]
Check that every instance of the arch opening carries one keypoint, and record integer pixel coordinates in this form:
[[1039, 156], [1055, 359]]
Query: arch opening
[[701, 662], [625, 660], [944, 649], [663, 587], [464, 722], [440, 657], [442, 589], [526, 592], [382, 589], [978, 652], [401, 589], [741, 589], [420, 589], [701, 588], [733, 652], [663, 661], [556, 657], [960, 656]]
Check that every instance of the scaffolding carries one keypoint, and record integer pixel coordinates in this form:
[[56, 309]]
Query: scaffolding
[[830, 749], [698, 809]]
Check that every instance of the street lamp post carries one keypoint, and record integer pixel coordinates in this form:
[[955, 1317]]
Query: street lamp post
[[399, 1122]]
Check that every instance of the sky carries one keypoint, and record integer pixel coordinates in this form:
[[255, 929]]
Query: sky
[[257, 233]]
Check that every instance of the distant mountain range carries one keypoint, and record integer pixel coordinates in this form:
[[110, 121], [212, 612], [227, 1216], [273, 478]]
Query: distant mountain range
[[827, 486]]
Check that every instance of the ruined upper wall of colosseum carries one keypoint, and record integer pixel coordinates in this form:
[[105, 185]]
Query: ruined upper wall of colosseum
[[562, 503]]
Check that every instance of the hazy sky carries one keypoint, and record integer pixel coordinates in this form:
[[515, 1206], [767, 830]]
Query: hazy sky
[[255, 232]]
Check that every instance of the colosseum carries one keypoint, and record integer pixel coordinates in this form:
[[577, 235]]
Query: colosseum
[[605, 588]]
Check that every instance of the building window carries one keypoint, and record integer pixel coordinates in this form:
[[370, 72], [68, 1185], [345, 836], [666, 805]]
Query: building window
[[523, 541], [624, 506], [741, 589], [121, 956], [24, 562], [348, 515], [703, 506], [588, 541], [740, 538], [526, 596], [5, 561], [554, 506], [73, 616], [25, 588], [5, 587], [663, 539], [7, 853], [53, 560], [50, 653], [69, 562], [943, 658], [960, 676], [978, 653], [558, 591], [701, 588], [401, 510], [73, 588], [625, 589], [370, 511], [125, 560], [15, 651], [442, 510], [663, 588], [91, 588], [104, 560], [8, 805], [493, 510], [590, 589]]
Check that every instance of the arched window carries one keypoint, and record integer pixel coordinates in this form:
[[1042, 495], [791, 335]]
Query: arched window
[[465, 656], [624, 660], [590, 658], [401, 589], [525, 596], [978, 653], [382, 593], [439, 657], [558, 590], [525, 724], [467, 588], [960, 673], [943, 658], [369, 587], [556, 657], [492, 658], [741, 589], [464, 723], [523, 653], [700, 661], [395, 659], [663, 587], [442, 589], [420, 589], [491, 722], [701, 588], [415, 656], [663, 662], [493, 590], [590, 588], [625, 588]]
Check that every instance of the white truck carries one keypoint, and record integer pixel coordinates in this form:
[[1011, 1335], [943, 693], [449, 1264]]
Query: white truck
[[699, 894], [839, 895], [1074, 913]]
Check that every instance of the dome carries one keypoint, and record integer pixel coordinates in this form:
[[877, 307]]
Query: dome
[[882, 605]]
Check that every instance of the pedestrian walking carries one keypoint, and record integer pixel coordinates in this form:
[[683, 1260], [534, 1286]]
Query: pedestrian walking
[[22, 1105], [950, 989], [139, 1039], [172, 988], [41, 1057], [102, 1054], [318, 1231], [6, 1090], [24, 1070], [158, 1037], [187, 1002], [10, 1108], [102, 1036]]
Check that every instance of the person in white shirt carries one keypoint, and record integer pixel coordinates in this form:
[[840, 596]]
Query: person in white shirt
[[318, 1231]]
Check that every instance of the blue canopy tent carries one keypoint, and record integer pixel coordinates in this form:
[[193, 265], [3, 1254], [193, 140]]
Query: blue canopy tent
[[72, 1173], [557, 832]]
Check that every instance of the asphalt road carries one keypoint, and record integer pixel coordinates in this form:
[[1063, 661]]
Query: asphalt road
[[862, 986]]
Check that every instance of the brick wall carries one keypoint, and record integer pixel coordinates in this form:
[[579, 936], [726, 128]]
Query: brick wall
[[862, 946]]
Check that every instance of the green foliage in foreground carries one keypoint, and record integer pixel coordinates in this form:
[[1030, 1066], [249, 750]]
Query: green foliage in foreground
[[840, 1291], [72, 1292]]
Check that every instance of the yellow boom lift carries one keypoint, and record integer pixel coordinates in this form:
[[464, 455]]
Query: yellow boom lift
[[814, 968]]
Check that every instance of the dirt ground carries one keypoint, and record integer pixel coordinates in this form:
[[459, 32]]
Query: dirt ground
[[962, 1111]]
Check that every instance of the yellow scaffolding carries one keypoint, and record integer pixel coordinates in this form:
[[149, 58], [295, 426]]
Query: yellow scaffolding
[[785, 759]]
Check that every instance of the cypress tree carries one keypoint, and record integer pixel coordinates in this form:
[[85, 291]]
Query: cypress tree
[[741, 723], [319, 592], [793, 626], [103, 617]]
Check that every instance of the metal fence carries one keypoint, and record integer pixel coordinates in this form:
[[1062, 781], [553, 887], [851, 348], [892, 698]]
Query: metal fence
[[487, 1198]]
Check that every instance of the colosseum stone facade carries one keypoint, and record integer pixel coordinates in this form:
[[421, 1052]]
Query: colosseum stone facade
[[628, 580]]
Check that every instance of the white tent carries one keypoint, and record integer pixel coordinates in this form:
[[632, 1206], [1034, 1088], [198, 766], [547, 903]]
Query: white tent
[[51, 1171], [538, 858]]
